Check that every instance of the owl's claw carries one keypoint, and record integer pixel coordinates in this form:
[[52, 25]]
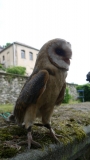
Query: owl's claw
[[31, 141], [52, 134]]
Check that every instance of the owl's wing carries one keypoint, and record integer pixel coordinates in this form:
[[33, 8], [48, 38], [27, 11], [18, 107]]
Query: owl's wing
[[32, 90], [61, 95]]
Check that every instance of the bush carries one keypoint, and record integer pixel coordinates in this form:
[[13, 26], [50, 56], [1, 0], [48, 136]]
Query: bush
[[2, 68], [86, 89], [67, 96], [16, 70]]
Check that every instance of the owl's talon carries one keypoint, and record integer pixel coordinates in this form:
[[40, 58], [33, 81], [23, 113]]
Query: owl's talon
[[36, 144], [53, 135], [31, 141]]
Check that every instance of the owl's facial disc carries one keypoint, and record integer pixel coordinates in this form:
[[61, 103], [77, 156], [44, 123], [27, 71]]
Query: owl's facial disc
[[62, 53]]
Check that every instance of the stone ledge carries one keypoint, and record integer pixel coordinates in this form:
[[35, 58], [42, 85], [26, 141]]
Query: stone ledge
[[10, 74], [71, 151], [67, 120], [75, 150]]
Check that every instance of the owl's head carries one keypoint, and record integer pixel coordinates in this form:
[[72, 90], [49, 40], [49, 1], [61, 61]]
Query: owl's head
[[59, 53], [56, 52]]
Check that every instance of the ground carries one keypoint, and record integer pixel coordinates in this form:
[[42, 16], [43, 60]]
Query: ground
[[67, 120]]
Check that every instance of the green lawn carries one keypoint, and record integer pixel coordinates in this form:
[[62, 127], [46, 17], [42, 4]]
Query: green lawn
[[6, 108], [9, 107]]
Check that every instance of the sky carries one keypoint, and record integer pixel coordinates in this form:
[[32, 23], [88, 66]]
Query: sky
[[34, 22]]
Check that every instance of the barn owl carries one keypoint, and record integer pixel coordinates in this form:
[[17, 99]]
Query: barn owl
[[45, 87]]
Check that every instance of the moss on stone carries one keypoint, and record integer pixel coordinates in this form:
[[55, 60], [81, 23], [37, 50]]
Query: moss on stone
[[68, 130], [8, 134], [16, 130], [7, 152], [67, 122]]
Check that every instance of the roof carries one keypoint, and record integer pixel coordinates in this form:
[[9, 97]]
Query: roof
[[21, 44], [1, 48]]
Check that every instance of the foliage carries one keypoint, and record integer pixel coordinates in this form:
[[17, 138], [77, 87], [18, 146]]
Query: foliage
[[67, 96], [2, 68], [16, 70], [7, 44], [86, 89], [88, 77]]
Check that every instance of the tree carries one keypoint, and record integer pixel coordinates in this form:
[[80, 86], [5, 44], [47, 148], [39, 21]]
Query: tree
[[7, 44], [86, 89], [88, 77]]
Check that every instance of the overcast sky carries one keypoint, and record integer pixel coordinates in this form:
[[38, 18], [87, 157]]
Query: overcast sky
[[34, 22]]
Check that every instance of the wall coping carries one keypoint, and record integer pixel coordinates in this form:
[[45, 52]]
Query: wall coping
[[16, 75], [71, 151]]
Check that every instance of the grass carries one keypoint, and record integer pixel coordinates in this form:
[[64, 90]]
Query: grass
[[9, 107], [74, 101], [6, 108], [71, 102]]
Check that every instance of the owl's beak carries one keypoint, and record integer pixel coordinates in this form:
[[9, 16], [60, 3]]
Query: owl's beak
[[67, 60]]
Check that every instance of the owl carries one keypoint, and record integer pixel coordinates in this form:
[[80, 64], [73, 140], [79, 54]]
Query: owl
[[44, 88]]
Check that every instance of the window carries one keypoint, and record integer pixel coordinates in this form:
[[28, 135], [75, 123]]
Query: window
[[30, 55], [3, 58], [22, 54]]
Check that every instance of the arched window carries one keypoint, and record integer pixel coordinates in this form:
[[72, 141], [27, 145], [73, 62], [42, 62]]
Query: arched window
[[3, 58], [22, 54], [30, 55]]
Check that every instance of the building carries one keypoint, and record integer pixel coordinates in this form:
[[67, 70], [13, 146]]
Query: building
[[1, 48], [18, 54]]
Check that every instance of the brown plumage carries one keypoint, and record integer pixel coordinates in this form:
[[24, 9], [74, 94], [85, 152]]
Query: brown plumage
[[45, 87]]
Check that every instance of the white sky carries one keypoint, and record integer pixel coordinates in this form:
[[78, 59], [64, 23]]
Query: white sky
[[34, 22]]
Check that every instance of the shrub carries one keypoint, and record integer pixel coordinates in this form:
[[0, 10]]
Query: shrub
[[67, 96], [2, 68], [86, 89], [16, 70]]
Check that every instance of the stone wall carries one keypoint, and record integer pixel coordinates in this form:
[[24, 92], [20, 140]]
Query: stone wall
[[11, 85], [72, 90]]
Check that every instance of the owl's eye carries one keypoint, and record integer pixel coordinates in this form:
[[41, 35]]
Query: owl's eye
[[60, 52]]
